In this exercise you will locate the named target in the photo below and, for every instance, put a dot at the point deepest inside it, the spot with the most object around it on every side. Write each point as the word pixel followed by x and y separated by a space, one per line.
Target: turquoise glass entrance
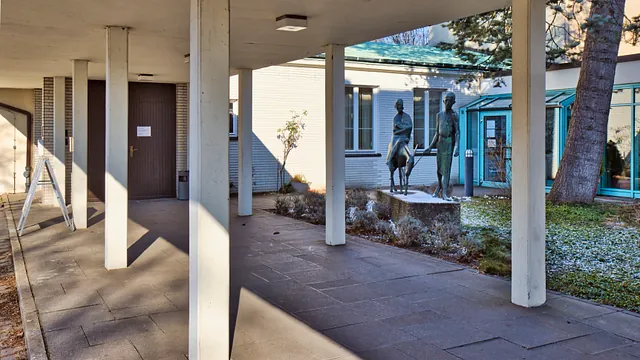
pixel 494 148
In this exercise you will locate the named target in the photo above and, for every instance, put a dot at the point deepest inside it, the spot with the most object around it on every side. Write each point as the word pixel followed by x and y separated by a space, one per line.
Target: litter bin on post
pixel 183 185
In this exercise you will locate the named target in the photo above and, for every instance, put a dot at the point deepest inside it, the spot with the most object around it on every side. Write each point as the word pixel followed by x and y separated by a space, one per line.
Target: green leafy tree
pixel 586 31
pixel 289 136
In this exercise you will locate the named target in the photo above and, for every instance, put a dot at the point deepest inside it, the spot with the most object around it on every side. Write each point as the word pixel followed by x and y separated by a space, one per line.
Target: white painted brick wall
pixel 68 126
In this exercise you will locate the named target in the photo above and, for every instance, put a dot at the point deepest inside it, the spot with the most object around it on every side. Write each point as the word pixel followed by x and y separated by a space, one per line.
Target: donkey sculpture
pixel 404 162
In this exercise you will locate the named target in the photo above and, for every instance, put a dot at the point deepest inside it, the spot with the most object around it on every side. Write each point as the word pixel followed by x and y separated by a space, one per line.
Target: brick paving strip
pixel 20 333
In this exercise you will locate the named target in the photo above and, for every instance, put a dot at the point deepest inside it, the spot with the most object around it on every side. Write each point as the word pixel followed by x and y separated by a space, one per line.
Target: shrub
pixel 386 232
pixel 357 198
pixel 382 210
pixel 283 204
pixel 315 207
pixel 364 221
pixel 299 207
pixel 442 236
pixel 410 231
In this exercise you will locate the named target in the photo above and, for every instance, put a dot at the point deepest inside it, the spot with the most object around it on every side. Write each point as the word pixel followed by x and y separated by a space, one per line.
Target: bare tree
pixel 418 37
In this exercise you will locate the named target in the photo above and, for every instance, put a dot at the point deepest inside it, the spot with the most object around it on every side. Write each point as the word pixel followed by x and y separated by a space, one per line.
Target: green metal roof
pixel 553 98
pixel 423 56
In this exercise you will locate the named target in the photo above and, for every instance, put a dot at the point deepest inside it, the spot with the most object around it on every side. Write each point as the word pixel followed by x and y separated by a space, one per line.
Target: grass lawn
pixel 593 251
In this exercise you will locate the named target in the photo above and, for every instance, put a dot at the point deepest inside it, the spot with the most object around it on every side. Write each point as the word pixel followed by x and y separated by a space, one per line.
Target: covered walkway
pixel 299 299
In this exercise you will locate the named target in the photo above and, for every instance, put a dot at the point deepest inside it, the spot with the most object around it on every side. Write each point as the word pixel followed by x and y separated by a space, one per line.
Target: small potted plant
pixel 299 184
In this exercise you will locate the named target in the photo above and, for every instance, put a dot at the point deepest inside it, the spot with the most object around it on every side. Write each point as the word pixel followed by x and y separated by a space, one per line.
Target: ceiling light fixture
pixel 291 22
pixel 145 77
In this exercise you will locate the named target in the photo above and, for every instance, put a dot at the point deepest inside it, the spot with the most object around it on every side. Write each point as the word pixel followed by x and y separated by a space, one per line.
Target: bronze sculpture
pixel 445 141
pixel 399 155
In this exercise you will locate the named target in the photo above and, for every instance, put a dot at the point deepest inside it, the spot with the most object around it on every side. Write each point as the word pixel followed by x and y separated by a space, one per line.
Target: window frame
pixel 233 110
pixel 427 109
pixel 356 118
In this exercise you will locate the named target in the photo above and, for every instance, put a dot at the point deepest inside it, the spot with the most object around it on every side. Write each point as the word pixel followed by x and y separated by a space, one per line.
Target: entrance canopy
pixel 38 38
pixel 504 101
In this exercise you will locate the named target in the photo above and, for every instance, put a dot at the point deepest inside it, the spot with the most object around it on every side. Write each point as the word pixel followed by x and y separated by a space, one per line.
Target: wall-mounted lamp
pixel 145 77
pixel 187 58
pixel 291 22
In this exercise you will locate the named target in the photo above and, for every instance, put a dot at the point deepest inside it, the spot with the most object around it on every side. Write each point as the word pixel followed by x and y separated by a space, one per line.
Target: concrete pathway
pixel 296 298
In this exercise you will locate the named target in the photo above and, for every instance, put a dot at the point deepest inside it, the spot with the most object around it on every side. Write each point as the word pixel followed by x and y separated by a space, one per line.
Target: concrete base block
pixel 421 206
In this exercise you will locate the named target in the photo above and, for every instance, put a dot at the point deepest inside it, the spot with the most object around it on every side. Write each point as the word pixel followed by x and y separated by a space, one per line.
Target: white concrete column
pixel 245 143
pixel 117 148
pixel 59 147
pixel 80 149
pixel 334 140
pixel 209 261
pixel 528 286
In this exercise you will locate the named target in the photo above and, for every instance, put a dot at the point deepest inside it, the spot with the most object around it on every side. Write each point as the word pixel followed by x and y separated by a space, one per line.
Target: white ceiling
pixel 38 38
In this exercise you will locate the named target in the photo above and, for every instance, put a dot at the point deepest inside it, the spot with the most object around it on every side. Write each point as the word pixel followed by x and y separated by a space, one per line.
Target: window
pixel 618 149
pixel 552 142
pixel 359 121
pixel 427 103
pixel 233 119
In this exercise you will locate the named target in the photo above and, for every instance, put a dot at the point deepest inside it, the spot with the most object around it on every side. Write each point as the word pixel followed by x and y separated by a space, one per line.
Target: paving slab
pixel 596 343
pixel 534 331
pixel 447 333
pixel 110 331
pixel 619 323
pixel 75 317
pixel 368 336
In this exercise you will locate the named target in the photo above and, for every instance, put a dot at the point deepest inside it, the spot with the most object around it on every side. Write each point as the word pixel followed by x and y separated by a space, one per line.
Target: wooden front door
pixel 152 141
pixel 96 141
pixel 152 137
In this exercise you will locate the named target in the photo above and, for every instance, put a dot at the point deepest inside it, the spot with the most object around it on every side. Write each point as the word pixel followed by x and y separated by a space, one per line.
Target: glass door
pixel 495 152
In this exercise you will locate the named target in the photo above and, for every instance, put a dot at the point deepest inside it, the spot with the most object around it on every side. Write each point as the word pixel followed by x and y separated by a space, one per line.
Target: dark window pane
pixel 435 99
pixel 551 144
pixel 618 150
pixel 495 148
pixel 418 118
pixel 365 119
pixel 348 102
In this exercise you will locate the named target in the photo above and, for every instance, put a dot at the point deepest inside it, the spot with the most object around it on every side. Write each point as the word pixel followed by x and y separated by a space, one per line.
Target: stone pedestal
pixel 421 206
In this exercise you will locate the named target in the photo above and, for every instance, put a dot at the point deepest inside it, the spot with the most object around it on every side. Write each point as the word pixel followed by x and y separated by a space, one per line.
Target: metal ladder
pixel 43 163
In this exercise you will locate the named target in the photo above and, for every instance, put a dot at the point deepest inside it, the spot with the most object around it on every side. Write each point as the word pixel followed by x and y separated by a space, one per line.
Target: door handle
pixel 131 151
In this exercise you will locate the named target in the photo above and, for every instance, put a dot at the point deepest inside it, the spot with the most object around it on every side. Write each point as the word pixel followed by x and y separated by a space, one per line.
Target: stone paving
pixel 296 297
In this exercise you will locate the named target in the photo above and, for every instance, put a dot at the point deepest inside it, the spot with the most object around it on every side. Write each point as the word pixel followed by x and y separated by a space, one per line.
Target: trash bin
pixel 183 185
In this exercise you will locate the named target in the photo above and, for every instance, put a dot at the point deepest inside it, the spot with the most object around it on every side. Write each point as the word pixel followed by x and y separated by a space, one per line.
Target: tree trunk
pixel 577 178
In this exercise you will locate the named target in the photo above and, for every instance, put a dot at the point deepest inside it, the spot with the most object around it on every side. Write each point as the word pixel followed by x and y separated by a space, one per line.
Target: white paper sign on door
pixel 144 131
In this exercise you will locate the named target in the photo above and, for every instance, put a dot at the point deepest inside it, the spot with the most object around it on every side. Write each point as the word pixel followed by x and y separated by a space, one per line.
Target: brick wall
pixel 68 125
pixel 47 133
pixel 182 127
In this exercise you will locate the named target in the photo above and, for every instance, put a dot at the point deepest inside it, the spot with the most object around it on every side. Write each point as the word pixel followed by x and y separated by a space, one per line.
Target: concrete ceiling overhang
pixel 39 38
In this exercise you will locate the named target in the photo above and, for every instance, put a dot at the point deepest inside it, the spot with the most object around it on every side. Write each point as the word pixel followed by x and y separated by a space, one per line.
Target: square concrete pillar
pixel 116 169
pixel 334 140
pixel 59 147
pixel 528 286
pixel 209 260
pixel 80 149
pixel 245 143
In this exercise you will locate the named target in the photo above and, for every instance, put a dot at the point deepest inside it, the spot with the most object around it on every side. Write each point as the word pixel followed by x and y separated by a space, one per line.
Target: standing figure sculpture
pixel 399 155
pixel 445 141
